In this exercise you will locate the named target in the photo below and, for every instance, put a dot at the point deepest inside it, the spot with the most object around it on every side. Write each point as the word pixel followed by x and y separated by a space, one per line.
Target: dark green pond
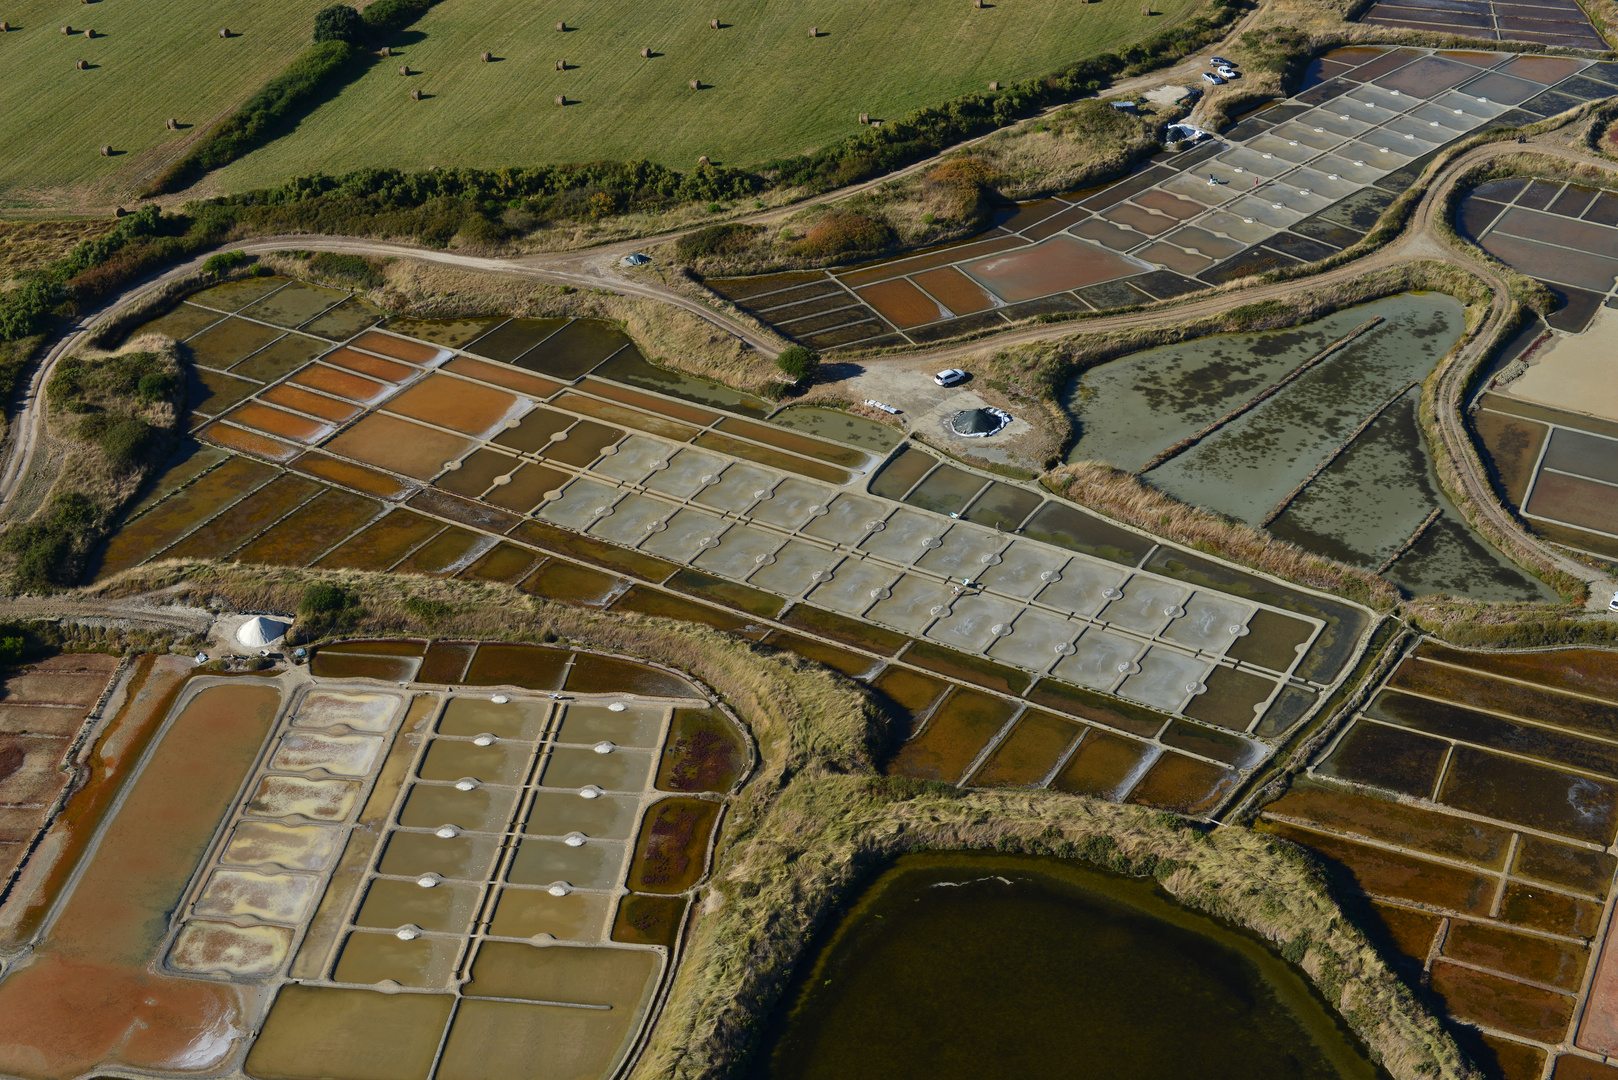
pixel 975 966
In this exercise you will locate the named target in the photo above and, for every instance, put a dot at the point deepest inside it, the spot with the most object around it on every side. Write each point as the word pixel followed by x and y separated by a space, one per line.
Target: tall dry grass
pixel 1125 497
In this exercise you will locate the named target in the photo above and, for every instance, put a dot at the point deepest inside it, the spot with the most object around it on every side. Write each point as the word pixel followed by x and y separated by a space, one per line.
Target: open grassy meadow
pixel 768 88
pixel 149 61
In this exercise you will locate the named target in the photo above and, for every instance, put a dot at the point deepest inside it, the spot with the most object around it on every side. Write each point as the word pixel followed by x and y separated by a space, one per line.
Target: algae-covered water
pixel 973 965
pixel 1379 487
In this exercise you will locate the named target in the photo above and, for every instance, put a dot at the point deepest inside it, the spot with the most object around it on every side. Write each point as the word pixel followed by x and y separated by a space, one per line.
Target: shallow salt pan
pixel 362 712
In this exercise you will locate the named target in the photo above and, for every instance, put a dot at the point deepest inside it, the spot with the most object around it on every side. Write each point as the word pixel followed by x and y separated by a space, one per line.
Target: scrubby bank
pixel 115 415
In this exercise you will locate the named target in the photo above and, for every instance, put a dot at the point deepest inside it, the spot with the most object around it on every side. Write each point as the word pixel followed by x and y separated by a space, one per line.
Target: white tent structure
pixel 259 631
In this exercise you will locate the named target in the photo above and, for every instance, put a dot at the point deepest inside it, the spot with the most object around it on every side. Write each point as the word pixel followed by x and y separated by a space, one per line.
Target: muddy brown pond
pixel 973 965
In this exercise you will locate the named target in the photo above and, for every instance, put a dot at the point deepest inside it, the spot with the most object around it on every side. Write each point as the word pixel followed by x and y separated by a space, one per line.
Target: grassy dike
pixel 817 817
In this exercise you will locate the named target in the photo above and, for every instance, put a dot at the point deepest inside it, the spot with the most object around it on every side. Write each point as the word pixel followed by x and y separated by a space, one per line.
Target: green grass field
pixel 152 60
pixel 769 89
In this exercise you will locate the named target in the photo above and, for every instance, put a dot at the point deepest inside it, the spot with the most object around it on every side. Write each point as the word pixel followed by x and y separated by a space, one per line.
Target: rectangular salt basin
pixel 581 502
pixel 853 586
pixel 738 488
pixel 632 519
pixel 318 800
pixel 1023 570
pixel 1037 640
pixel 794 568
pixel 1100 660
pixel 346 755
pixel 791 503
pixel 360 712
pixel 592 865
pixel 1082 587
pixel 1146 605
pixel 915 602
pixel 294 847
pixel 740 551
pixel 621 770
pixel 974 622
pixel 965 553
pixel 634 459
pixel 270 897
pixel 204 946
pixel 1166 679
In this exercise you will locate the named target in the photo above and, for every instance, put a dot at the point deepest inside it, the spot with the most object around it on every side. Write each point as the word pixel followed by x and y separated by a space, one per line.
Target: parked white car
pixel 1210 77
pixel 950 376
pixel 1613 604
pixel 1227 73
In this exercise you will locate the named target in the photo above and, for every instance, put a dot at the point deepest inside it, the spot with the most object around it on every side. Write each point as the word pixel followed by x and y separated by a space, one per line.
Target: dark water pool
pixel 976 966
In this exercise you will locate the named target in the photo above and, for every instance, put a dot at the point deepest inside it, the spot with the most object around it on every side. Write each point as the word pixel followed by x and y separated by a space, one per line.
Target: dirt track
pixel 598 268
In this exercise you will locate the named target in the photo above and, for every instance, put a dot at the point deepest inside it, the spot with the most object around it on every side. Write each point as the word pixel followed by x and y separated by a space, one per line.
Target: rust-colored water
pixel 456 404
pixel 355 476
pixel 399 445
pixel 89 994
pixel 372 366
pixel 523 383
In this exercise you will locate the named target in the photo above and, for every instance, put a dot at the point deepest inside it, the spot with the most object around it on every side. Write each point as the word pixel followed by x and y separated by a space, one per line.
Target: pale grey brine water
pixel 1368 502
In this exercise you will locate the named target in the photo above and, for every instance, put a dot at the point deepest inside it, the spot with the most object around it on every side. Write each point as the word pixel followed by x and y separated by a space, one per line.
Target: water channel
pixel 973 965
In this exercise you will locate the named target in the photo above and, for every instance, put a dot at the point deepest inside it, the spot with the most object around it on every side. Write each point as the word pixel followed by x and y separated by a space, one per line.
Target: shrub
pixel 798 362
pixel 157 386
pixel 50 549
pixel 355 270
pixel 430 612
pixel 126 441
pixel 844 232
pixel 223 262
pixel 323 598
pixel 715 241
pixel 339 22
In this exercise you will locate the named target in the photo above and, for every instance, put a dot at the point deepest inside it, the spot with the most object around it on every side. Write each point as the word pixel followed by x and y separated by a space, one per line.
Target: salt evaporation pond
pixel 973 965
pixel 1375 495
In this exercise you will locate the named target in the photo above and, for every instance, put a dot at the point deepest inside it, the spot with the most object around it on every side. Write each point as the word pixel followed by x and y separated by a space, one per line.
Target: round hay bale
pixel 703 160
pixel 387 51
pixel 646 54
pixel 561 99
pixel 696 84
pixel 994 85
pixel 561 65
pixel 224 33
pixel 814 31
pixel 82 65
pixel 5 28
pixel 486 57
pixel 415 95
pixel 404 69
pixel 67 29
pixel 713 24
pixel 865 118
pixel 977 3
pixel 89 33
pixel 561 27
pixel 172 124
pixel 106 151
pixel 120 212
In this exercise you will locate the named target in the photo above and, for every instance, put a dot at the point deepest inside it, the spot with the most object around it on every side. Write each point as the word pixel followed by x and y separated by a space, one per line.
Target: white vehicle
pixel 1613 604
pixel 950 376
pixel 1220 61
pixel 1227 73
pixel 1208 76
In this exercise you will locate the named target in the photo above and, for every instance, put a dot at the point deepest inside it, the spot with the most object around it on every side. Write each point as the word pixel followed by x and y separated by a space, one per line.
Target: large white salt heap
pixel 259 631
